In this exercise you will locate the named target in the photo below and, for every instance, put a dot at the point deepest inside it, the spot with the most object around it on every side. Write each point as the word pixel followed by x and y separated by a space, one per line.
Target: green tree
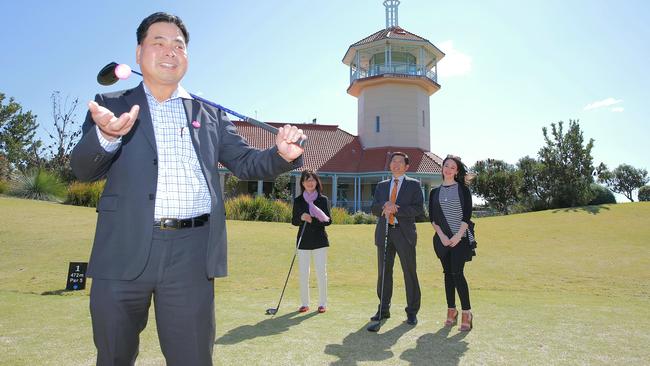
pixel 281 187
pixel 536 184
pixel 624 179
pixel 567 164
pixel 497 182
pixel 18 144
pixel 644 194
pixel 231 188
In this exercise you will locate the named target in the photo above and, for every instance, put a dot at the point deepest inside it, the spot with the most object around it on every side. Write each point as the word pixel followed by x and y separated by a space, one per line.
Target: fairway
pixel 558 287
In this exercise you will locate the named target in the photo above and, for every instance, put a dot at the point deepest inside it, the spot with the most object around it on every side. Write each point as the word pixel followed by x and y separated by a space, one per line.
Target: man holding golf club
pixel 397 202
pixel 161 219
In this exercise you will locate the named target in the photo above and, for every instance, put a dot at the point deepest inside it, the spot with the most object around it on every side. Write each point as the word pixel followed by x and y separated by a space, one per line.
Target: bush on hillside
pixel 85 194
pixel 602 195
pixel 257 208
pixel 4 186
pixel 39 184
pixel 644 193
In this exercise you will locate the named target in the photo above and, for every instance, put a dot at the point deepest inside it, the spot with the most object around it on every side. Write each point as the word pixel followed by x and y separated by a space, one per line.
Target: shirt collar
pixel 180 92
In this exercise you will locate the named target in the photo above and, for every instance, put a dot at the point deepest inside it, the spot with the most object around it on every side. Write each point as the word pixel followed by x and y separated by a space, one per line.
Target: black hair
pixel 399 153
pixel 306 174
pixel 461 175
pixel 141 33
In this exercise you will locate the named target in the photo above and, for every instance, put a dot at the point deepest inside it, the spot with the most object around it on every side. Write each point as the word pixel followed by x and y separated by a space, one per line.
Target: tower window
pixel 422 118
pixel 377 124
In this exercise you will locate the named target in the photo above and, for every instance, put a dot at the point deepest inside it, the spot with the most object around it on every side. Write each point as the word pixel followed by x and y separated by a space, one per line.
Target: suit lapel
pixel 144 117
pixel 200 140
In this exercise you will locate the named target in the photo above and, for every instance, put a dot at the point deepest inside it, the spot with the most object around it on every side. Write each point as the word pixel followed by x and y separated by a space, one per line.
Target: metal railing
pixel 394 68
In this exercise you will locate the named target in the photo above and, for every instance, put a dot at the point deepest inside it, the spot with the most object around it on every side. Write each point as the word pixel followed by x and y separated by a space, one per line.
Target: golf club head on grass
pixel 374 327
pixel 271 311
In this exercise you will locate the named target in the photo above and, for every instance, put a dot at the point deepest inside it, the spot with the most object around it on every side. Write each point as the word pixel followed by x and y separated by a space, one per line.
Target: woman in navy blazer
pixel 311 212
pixel 450 210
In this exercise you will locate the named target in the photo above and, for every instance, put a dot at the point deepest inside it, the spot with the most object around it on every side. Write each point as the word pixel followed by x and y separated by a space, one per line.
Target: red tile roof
pixel 391 33
pixel 332 150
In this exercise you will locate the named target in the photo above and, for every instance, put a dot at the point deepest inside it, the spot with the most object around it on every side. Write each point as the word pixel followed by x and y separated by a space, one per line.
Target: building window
pixel 377 124
pixel 422 118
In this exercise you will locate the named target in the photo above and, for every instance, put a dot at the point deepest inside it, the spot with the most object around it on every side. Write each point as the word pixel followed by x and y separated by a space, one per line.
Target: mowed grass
pixel 560 287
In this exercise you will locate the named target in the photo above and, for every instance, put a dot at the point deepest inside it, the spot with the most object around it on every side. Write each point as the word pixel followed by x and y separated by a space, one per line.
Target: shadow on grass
pixel 267 327
pixel 55 292
pixel 437 349
pixel 594 210
pixel 363 346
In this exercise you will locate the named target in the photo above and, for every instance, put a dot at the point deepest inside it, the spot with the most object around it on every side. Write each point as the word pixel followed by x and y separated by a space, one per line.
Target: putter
pixel 113 72
pixel 374 327
pixel 273 311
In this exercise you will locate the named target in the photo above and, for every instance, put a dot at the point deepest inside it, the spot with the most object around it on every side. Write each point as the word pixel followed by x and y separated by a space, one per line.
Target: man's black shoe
pixel 411 319
pixel 385 315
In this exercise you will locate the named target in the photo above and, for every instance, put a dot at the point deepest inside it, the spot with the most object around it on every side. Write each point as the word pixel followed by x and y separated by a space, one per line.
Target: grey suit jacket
pixel 411 205
pixel 126 207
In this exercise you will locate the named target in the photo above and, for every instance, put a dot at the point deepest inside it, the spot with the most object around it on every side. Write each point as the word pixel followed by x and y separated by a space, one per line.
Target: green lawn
pixel 565 287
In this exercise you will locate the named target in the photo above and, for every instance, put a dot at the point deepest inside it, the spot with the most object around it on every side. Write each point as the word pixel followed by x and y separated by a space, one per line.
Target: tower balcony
pixel 393 68
pixel 396 71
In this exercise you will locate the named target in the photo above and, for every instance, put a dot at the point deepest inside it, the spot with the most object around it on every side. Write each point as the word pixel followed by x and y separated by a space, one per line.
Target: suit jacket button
pixel 151 196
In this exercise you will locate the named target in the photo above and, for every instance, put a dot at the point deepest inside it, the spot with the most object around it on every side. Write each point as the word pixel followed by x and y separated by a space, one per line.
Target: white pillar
pixel 297 186
pixel 222 181
pixel 334 191
pixel 260 187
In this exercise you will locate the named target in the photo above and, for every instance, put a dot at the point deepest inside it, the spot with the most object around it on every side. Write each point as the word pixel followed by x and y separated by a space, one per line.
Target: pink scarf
pixel 313 210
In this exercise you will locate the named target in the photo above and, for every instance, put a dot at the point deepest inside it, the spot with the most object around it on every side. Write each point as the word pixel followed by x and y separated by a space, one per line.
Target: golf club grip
pixel 252 121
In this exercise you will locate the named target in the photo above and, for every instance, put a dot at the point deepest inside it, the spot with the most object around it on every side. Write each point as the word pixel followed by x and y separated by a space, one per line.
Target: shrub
pixel 340 216
pixel 602 195
pixel 4 186
pixel 39 185
pixel 361 217
pixel 644 193
pixel 258 208
pixel 85 194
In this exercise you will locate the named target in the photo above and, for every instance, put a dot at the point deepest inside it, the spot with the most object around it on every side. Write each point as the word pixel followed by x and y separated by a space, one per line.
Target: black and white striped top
pixel 452 209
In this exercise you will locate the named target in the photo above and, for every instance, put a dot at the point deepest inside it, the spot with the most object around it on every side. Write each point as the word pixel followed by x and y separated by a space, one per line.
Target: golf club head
pixel 271 311
pixel 106 75
pixel 374 327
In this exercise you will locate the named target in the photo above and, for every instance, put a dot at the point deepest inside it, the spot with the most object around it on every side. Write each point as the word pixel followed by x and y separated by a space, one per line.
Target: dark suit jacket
pixel 315 236
pixel 126 207
pixel 411 205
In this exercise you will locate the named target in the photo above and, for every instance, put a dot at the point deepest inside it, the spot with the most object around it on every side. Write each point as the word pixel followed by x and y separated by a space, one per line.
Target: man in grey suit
pixel 161 220
pixel 397 202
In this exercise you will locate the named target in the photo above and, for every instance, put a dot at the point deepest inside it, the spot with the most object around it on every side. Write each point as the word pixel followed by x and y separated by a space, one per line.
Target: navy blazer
pixel 411 205
pixel 126 207
pixel 314 236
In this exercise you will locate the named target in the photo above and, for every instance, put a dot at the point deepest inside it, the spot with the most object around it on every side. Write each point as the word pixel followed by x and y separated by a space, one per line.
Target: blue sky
pixel 511 68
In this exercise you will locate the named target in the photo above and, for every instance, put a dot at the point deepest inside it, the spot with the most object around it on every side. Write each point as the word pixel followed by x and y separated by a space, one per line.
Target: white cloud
pixel 455 63
pixel 617 109
pixel 602 103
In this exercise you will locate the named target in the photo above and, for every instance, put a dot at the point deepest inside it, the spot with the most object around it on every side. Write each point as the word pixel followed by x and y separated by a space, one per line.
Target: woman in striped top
pixel 450 210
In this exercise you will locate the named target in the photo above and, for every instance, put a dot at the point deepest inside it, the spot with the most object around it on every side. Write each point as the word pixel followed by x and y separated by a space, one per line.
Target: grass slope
pixel 555 287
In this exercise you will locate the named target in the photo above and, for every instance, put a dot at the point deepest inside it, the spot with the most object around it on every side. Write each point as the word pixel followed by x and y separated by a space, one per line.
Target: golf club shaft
pixel 383 270
pixel 252 121
pixel 302 231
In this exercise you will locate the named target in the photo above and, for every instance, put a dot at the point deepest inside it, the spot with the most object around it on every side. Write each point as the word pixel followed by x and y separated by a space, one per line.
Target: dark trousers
pixel 175 276
pixel 397 243
pixel 453 264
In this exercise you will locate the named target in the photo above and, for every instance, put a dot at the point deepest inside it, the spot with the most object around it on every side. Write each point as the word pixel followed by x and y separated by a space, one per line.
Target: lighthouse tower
pixel 392 74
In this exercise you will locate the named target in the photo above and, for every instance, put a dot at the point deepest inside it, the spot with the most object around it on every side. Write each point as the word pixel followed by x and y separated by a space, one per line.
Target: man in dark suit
pixel 161 219
pixel 399 201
